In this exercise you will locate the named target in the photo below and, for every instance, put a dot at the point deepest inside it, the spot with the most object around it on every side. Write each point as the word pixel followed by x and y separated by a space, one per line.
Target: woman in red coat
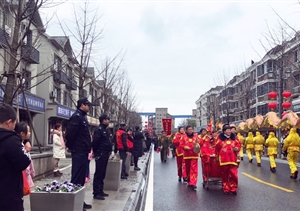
pixel 227 150
pixel 179 154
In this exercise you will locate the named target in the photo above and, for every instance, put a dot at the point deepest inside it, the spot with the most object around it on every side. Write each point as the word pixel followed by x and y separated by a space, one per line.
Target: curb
pixel 136 199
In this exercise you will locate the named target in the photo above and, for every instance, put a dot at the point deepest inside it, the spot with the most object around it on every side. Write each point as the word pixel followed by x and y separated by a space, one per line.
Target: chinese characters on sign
pixel 167 125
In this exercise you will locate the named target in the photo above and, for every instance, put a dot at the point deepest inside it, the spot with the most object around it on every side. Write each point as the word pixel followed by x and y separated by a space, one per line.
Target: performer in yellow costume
pixel 249 146
pixel 242 140
pixel 258 141
pixel 292 144
pixel 272 143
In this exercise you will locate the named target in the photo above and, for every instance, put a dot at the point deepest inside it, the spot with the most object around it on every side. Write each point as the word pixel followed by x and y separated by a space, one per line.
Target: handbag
pixel 26 188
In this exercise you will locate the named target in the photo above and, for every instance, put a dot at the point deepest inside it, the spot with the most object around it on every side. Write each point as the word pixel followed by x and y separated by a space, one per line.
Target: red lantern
pixel 286 94
pixel 284 113
pixel 286 105
pixel 272 95
pixel 272 105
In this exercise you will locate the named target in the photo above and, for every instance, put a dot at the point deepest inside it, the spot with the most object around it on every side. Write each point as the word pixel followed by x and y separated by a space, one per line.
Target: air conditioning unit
pixel 53 94
pixel 7 30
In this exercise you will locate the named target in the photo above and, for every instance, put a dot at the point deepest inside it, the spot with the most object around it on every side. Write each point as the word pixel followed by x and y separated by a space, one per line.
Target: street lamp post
pixel 282 75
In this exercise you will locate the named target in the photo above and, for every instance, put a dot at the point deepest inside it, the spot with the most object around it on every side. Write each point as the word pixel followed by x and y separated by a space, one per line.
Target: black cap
pixel 103 116
pixel 225 127
pixel 122 124
pixel 84 101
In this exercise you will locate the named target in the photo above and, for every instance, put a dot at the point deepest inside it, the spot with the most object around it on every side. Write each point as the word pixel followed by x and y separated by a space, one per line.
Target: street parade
pixel 220 149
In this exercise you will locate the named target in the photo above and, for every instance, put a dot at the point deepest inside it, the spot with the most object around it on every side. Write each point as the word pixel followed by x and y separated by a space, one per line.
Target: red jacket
pixel 176 141
pixel 129 141
pixel 121 139
pixel 187 144
pixel 207 146
pixel 227 150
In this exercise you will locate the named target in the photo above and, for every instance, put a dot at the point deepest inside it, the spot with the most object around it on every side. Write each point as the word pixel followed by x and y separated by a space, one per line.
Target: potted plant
pixel 57 196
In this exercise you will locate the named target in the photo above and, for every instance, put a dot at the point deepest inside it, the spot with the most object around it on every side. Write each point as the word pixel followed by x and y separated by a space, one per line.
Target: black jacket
pixel 101 140
pixel 138 144
pixel 78 134
pixel 13 161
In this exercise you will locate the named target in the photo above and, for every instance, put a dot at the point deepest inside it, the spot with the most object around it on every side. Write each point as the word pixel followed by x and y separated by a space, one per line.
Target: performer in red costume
pixel 188 143
pixel 179 154
pixel 227 150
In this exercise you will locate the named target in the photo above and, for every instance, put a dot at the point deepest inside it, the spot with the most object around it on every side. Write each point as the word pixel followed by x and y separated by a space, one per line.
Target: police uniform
pixel 79 142
pixel 102 148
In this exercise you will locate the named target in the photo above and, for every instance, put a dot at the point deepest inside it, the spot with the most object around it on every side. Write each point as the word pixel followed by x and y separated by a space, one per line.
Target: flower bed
pixel 57 196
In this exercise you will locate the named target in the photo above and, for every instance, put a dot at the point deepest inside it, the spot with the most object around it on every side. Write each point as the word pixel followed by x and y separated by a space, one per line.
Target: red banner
pixel 167 125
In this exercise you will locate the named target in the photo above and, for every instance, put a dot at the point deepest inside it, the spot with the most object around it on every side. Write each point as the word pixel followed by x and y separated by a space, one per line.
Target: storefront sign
pixel 63 111
pixel 34 102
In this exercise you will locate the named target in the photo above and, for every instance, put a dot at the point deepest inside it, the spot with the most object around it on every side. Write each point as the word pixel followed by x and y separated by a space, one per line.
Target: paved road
pixel 253 193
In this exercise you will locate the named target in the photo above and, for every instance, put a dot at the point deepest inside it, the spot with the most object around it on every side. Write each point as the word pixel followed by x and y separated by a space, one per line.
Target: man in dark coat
pixel 13 161
pixel 137 147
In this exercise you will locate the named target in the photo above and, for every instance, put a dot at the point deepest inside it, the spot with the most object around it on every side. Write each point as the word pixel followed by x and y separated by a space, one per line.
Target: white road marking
pixel 149 198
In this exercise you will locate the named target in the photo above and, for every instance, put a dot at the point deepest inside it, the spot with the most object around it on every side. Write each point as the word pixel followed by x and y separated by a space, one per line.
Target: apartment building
pixel 161 113
pixel 246 94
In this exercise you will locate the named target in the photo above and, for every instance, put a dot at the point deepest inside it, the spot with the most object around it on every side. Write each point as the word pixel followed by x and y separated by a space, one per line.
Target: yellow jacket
pixel 241 138
pixel 272 143
pixel 259 141
pixel 249 141
pixel 292 142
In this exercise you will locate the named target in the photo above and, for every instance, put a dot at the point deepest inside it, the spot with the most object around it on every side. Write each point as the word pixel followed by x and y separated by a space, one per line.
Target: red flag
pixel 167 125
pixel 209 126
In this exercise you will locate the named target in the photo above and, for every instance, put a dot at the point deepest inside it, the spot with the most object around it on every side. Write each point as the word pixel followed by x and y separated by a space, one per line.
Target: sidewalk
pixel 116 200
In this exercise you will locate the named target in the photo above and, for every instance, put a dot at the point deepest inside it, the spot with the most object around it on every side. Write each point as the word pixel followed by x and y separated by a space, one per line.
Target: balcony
pixel 61 78
pixel 30 54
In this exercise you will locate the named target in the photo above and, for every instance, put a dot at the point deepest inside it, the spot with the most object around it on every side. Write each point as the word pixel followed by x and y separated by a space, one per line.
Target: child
pixel 23 130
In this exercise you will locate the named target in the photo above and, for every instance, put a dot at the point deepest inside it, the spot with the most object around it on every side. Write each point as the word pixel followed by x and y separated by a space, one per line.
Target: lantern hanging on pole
pixel 272 105
pixel 286 105
pixel 272 95
pixel 286 95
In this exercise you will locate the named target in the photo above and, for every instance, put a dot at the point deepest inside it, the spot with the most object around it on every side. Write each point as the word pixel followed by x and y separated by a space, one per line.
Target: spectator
pixel 137 147
pixel 102 148
pixel 13 160
pixel 121 140
pixel 23 130
pixel 79 143
pixel 58 148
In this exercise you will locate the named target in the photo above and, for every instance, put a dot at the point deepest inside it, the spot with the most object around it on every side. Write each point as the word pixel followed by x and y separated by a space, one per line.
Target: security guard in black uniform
pixel 79 142
pixel 102 148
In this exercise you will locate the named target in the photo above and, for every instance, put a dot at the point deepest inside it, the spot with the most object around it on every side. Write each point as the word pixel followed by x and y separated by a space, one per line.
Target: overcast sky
pixel 176 50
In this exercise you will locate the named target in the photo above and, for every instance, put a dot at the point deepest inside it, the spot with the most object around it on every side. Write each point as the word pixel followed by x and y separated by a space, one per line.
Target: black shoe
pixel 296 174
pixel 259 164
pixel 179 179
pixel 226 193
pixel 234 193
pixel 137 168
pixel 104 194
pixel 123 177
pixel 87 206
pixel 242 158
pixel 185 180
pixel 126 174
pixel 250 161
pixel 99 197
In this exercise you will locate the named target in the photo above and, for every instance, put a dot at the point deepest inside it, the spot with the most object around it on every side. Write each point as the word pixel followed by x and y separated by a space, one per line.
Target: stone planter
pixel 43 201
pixel 113 175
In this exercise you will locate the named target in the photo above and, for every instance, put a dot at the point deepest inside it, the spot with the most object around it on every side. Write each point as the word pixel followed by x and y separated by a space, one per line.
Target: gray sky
pixel 176 50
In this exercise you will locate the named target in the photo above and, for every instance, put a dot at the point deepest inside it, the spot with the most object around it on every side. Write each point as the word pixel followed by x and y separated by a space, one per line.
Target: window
pixel 57 63
pixel 69 72
pixel 296 56
pixel 58 95
pixel 262 109
pixel 29 38
pixel 27 78
pixel 65 102
pixel 260 70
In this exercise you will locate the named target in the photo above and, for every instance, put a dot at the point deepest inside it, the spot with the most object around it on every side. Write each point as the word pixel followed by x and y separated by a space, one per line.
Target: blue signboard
pixel 34 103
pixel 63 111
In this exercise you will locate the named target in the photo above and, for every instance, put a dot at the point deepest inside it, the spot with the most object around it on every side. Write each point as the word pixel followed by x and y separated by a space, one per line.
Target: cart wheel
pixel 207 188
